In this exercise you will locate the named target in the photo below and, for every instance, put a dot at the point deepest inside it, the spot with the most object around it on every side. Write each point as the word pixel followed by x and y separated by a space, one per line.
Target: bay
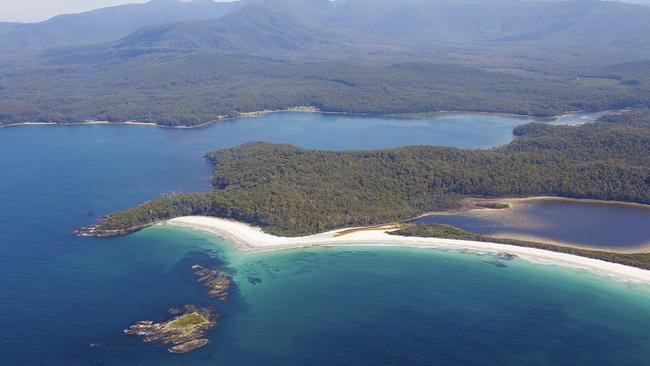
pixel 60 293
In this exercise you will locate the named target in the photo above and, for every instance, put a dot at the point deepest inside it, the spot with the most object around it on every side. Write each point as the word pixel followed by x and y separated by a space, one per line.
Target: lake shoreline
pixel 299 109
pixel 471 205
pixel 249 239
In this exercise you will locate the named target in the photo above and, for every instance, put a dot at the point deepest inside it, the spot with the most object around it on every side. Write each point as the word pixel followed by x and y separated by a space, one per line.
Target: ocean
pixel 66 300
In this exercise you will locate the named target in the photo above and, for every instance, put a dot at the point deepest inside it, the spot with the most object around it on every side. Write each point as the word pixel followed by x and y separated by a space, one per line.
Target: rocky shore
pixel 95 231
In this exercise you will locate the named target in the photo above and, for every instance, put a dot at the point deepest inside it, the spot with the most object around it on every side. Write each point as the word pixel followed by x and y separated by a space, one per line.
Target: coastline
pixel 298 109
pixel 249 239
pixel 220 118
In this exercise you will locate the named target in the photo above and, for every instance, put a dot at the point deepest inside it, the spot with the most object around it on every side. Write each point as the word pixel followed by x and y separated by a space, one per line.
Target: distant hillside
pixel 500 23
pixel 249 30
pixel 595 23
pixel 524 34
pixel 6 27
pixel 277 31
pixel 365 56
pixel 108 23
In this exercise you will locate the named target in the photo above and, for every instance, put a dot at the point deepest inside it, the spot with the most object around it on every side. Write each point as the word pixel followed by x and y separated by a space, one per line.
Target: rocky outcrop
pixel 218 283
pixel 97 232
pixel 185 332
pixel 189 346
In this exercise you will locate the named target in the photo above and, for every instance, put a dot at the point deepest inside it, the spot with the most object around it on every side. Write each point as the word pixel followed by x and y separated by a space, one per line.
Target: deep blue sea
pixel 59 293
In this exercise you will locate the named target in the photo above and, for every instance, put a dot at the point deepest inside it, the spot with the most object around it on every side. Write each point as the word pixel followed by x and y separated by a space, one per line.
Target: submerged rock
pixel 218 283
pixel 506 256
pixel 497 263
pixel 184 332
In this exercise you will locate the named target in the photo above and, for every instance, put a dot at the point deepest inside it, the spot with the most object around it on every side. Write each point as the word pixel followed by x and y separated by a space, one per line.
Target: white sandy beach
pixel 251 239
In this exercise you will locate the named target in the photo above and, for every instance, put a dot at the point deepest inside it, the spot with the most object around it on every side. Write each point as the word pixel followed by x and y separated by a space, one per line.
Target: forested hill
pixel 199 88
pixel 290 191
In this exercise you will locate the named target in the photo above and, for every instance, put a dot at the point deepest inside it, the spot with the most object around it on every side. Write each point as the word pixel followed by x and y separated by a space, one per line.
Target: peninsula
pixel 289 191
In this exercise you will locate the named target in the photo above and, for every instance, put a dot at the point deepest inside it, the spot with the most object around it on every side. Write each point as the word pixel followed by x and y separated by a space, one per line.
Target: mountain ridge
pixel 106 24
pixel 364 29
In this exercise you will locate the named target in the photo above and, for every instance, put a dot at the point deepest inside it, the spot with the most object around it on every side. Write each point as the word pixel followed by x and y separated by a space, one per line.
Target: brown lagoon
pixel 583 223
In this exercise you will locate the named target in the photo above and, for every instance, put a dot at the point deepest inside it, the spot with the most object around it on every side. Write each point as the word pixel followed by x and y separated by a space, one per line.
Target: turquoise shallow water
pixel 360 306
pixel 409 306
pixel 60 293
pixel 398 306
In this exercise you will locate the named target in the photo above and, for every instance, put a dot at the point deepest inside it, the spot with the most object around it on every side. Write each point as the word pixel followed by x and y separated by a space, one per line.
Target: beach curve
pixel 250 239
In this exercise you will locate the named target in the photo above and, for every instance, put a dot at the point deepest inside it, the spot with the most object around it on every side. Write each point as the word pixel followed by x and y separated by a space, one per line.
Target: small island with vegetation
pixel 187 329
pixel 184 333
pixel 290 191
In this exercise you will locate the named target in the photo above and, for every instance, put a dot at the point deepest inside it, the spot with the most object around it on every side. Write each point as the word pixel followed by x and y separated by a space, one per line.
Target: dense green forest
pixel 640 260
pixel 173 89
pixel 291 191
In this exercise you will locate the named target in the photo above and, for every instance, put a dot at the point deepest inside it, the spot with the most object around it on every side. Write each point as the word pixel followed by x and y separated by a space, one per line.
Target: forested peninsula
pixel 289 191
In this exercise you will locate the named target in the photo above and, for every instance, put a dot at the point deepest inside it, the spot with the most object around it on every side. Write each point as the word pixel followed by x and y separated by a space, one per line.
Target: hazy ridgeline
pixel 184 63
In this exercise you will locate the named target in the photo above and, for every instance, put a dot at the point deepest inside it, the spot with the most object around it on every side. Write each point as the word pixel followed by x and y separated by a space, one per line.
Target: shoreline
pixel 515 200
pixel 220 118
pixel 469 205
pixel 643 248
pixel 299 109
pixel 249 239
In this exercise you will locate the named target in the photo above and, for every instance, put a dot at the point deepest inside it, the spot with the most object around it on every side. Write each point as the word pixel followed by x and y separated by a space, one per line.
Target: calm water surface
pixel 318 307
pixel 583 223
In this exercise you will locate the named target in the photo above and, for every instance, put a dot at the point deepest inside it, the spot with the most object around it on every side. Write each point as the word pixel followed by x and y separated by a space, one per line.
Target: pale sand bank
pixel 251 239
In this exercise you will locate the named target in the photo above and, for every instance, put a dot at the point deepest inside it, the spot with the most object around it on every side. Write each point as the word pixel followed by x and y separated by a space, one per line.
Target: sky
pixel 29 11
pixel 37 10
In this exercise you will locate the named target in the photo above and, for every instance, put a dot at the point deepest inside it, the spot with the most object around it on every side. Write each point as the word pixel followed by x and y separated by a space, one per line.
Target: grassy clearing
pixel 186 321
